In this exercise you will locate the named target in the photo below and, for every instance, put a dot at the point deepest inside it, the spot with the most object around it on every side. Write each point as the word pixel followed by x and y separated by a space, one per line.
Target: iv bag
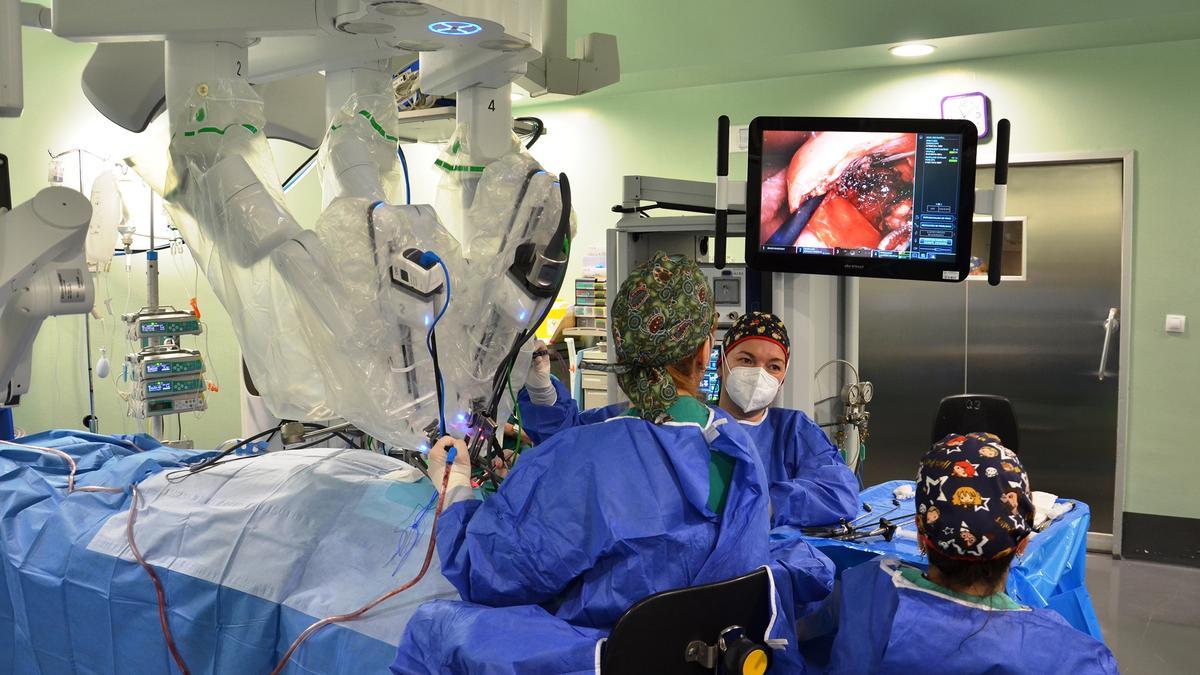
pixel 107 211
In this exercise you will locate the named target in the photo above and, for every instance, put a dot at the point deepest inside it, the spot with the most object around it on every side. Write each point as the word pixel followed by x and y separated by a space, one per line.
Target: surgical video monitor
pixel 861 196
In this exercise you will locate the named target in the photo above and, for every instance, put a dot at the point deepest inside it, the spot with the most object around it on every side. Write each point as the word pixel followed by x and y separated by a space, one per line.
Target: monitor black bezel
pixel 925 270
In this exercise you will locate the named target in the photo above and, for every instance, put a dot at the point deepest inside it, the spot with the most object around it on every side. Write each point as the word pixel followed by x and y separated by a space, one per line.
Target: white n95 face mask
pixel 752 389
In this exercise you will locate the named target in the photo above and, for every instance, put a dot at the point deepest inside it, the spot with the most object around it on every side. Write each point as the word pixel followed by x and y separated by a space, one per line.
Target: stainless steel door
pixel 911 337
pixel 1037 341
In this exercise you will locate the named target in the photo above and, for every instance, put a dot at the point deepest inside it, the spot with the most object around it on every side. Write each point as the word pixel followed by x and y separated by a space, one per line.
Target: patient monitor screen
pixel 862 202
pixel 710 385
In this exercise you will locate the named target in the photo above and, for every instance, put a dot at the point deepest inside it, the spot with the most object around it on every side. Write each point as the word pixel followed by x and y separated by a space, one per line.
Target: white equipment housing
pixel 43 273
pixel 12 98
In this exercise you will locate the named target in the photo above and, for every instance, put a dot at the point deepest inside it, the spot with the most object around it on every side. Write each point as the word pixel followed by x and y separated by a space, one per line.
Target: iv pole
pixel 93 424
pixel 156 423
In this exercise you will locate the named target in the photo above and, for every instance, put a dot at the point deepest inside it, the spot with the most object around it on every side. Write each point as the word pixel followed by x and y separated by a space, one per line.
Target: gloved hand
pixel 501 467
pixel 460 471
pixel 537 381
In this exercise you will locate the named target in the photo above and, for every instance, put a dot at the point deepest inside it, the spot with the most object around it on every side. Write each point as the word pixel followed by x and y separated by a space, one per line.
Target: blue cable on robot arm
pixel 429 258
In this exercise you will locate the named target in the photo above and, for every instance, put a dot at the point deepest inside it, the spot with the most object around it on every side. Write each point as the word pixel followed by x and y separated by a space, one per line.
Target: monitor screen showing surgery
pixel 851 200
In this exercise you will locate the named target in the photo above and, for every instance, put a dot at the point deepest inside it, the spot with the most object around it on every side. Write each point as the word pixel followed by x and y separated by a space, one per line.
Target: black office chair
pixel 967 413
pixel 715 628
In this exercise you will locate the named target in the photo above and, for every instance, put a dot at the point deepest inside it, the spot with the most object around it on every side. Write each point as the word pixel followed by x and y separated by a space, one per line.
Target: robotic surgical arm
pixel 43 272
pixel 380 314
pixel 339 320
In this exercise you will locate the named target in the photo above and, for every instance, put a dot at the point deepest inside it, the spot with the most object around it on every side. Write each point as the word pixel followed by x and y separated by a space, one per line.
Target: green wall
pixel 1121 98
pixel 1117 98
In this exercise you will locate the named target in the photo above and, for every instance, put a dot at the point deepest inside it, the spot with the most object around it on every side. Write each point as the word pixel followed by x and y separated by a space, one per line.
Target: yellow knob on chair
pixel 755 663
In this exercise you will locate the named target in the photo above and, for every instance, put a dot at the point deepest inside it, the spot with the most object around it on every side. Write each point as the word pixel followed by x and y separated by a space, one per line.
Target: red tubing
pixel 308 632
pixel 133 505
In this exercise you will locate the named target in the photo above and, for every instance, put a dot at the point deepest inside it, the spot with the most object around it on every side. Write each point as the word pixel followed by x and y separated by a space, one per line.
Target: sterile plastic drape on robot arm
pixel 460 173
pixel 335 321
pixel 358 156
pixel 392 298
pixel 516 209
pixel 224 196
pixel 317 345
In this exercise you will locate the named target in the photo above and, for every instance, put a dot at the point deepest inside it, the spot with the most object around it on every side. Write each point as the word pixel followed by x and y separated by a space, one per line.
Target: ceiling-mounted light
pixel 455 28
pixel 912 49
pixel 516 96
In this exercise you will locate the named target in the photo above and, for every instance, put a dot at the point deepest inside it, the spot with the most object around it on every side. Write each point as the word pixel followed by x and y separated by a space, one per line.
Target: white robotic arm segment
pixel 43 272
pixel 255 224
pixel 354 173
pixel 51 226
pixel 358 158
pixel 12 96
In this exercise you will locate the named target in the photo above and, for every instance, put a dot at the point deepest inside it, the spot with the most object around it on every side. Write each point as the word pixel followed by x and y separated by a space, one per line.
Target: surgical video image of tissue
pixel 852 193
pixel 838 190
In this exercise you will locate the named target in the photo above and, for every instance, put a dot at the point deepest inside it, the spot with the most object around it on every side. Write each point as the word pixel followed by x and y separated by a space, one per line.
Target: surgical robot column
pixel 43 273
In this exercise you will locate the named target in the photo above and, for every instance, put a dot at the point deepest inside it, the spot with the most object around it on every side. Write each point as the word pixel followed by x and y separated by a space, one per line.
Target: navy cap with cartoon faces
pixel 973 498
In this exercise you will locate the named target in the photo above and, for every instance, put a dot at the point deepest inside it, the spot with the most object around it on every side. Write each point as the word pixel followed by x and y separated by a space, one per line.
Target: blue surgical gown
pixel 586 525
pixel 540 422
pixel 887 624
pixel 809 482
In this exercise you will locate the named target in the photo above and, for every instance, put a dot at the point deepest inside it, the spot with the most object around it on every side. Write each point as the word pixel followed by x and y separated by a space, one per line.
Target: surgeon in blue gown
pixel 668 495
pixel 974 515
pixel 809 482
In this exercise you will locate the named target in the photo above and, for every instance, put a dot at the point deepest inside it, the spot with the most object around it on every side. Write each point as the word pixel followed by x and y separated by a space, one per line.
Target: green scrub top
pixel 720 466
pixel 999 600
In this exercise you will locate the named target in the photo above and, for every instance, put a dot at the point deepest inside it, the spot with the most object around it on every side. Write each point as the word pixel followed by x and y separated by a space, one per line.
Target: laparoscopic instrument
pixel 864 526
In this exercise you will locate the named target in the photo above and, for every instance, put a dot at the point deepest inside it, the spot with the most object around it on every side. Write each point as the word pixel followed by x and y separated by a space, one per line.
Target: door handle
pixel 1111 324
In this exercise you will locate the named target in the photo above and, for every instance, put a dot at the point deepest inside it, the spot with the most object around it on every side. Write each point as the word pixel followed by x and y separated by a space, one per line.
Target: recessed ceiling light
pixel 912 49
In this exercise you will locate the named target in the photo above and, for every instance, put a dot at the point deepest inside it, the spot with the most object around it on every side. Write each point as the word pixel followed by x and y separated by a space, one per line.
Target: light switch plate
pixel 739 138
pixel 1176 323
